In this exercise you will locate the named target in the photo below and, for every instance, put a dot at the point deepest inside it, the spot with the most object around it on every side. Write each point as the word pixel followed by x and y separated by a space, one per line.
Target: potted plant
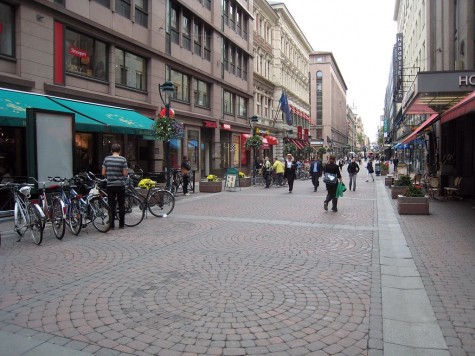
pixel 400 186
pixel 243 180
pixel 384 166
pixel 413 202
pixel 212 184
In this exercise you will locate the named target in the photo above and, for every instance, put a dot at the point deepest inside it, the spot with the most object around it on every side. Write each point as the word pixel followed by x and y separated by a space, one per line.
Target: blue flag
pixel 284 106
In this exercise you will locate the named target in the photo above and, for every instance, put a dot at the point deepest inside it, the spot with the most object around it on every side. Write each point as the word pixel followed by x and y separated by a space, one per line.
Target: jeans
pixel 279 177
pixel 353 180
pixel 116 195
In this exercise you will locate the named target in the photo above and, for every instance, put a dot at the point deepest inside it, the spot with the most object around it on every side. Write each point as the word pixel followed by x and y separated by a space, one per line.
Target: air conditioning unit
pixel 459 65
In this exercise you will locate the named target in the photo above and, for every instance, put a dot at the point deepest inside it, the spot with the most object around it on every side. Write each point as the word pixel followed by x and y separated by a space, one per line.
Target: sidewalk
pixel 256 271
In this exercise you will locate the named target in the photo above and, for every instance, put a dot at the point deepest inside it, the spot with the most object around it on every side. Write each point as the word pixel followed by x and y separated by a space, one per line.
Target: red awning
pixel 265 144
pixel 298 143
pixel 464 106
pixel 272 140
pixel 425 124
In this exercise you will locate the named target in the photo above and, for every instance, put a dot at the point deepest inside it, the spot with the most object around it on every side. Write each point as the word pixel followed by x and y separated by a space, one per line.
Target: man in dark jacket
pixel 353 169
pixel 316 170
pixel 332 168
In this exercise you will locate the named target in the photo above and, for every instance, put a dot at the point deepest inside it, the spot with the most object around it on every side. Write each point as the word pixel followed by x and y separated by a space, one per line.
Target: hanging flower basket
pixel 166 128
pixel 290 148
pixel 254 142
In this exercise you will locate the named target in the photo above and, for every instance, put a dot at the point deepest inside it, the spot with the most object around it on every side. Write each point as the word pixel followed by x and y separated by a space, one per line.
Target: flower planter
pixel 384 172
pixel 397 190
pixel 211 187
pixel 389 181
pixel 412 205
pixel 245 182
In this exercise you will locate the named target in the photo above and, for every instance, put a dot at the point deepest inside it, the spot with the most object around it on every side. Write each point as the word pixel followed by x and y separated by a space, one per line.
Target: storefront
pixel 96 127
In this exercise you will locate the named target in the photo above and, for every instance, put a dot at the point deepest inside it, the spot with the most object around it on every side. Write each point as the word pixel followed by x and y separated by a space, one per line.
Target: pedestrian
pixel 278 168
pixel 185 174
pixel 395 163
pixel 316 170
pixel 115 170
pixel 332 168
pixel 369 167
pixel 340 163
pixel 353 169
pixel 267 171
pixel 290 171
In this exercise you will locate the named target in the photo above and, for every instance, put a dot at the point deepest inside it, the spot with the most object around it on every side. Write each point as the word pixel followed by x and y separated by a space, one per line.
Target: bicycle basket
pixel 26 191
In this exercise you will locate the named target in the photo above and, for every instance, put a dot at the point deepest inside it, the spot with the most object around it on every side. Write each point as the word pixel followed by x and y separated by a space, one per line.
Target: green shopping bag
pixel 340 189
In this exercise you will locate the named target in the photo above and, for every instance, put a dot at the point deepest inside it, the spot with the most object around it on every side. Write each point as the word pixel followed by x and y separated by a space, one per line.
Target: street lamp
pixel 253 120
pixel 167 88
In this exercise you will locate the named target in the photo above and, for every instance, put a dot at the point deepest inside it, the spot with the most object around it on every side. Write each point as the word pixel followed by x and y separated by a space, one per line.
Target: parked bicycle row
pixel 81 201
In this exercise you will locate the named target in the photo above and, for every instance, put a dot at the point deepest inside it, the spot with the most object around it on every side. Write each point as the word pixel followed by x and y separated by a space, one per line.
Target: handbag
pixel 330 178
pixel 340 189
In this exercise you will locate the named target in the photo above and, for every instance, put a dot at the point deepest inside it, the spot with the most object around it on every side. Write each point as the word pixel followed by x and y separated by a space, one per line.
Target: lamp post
pixel 252 121
pixel 167 88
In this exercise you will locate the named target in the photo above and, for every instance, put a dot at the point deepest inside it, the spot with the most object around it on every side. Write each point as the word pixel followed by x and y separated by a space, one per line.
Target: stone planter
pixel 412 205
pixel 245 182
pixel 388 181
pixel 397 190
pixel 211 187
pixel 384 172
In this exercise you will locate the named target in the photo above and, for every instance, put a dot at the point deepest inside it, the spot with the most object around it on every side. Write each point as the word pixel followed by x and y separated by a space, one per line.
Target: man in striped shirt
pixel 115 170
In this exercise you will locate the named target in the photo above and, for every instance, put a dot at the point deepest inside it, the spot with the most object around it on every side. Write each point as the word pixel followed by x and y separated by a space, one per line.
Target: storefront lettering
pixel 77 52
pixel 466 80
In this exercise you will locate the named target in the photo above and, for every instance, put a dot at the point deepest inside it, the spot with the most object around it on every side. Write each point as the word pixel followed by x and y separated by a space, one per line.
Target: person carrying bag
pixel 331 177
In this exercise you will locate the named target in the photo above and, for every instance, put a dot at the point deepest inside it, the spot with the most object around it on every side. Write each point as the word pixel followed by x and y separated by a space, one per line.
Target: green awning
pixel 13 105
pixel 118 120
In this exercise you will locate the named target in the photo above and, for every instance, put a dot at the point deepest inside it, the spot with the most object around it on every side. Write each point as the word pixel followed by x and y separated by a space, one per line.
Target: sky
pixel 361 35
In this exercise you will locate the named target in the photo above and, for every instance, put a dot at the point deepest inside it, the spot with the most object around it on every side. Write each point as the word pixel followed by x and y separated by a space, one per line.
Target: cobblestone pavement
pixel 249 272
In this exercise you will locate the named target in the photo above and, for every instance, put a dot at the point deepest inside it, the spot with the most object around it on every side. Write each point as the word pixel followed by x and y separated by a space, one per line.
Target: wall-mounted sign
pixel 210 124
pixel 225 127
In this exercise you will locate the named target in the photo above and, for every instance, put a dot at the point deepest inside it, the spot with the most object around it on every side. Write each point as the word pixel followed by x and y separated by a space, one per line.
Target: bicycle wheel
pixel 161 203
pixel 74 217
pixel 100 214
pixel 19 220
pixel 36 216
pixel 134 211
pixel 57 218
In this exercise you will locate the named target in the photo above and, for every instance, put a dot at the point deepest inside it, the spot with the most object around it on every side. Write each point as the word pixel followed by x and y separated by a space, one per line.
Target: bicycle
pixel 177 181
pixel 27 214
pixel 71 214
pixel 92 205
pixel 134 207
pixel 158 201
pixel 53 208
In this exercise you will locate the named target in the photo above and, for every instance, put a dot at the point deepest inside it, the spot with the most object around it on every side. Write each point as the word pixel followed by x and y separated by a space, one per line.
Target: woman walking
pixel 290 171
pixel 332 168
pixel 370 169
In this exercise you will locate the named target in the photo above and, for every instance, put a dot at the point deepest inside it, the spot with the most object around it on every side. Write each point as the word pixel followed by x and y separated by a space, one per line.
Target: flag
pixel 284 106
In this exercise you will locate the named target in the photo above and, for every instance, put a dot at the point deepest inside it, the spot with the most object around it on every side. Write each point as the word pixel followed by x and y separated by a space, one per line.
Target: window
pixel 244 27
pixel 232 20
pixel 141 12
pixel 186 31
pixel 85 55
pixel 238 21
pixel 225 55
pixel 201 90
pixel 228 103
pixel 226 11
pixel 182 85
pixel 130 70
pixel 232 67
pixel 208 4
pixel 197 37
pixel 244 68
pixel 207 40
pixel 319 83
pixel 174 23
pixel 61 2
pixel 105 3
pixel 122 7
pixel 242 106
pixel 7 22
pixel 239 63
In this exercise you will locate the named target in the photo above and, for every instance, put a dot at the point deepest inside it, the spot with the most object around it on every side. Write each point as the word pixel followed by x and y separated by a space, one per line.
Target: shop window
pixel 192 150
pixel 131 70
pixel 84 152
pixel 7 30
pixel 85 55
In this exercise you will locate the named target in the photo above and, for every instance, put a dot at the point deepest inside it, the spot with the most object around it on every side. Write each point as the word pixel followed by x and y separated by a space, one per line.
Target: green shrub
pixel 403 180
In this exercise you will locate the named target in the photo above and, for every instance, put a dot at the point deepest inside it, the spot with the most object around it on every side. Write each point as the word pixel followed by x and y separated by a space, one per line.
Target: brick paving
pixel 250 272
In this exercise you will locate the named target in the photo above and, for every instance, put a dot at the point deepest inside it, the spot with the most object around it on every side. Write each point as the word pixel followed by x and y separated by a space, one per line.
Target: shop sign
pixel 466 80
pixel 77 52
pixel 210 124
pixel 225 126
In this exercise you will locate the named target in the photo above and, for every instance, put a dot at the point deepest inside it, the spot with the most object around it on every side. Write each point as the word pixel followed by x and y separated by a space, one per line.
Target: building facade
pixel 118 53
pixel 328 98
pixel 432 88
